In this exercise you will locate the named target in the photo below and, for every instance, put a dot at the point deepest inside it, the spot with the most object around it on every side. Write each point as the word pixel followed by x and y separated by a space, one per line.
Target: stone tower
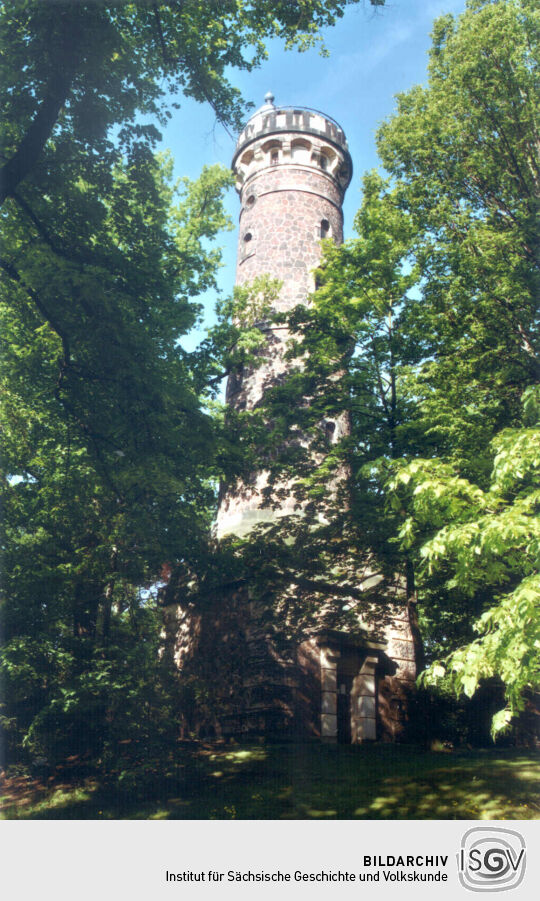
pixel 293 168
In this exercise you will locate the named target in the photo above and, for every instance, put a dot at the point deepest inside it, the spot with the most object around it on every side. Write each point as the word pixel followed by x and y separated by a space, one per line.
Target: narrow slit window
pixel 274 157
pixel 247 237
pixel 325 228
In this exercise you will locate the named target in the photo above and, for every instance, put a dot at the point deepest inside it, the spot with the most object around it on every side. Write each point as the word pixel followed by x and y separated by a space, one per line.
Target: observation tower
pixel 292 168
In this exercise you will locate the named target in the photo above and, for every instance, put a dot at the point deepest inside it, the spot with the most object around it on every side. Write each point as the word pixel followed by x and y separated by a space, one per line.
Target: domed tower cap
pixel 269 98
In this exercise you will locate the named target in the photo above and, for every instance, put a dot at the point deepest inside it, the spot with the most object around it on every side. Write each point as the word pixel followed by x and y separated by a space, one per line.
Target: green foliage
pixel 237 339
pixel 108 451
pixel 111 455
pixel 492 542
pixel 430 320
pixel 462 155
pixel 462 152
pixel 76 70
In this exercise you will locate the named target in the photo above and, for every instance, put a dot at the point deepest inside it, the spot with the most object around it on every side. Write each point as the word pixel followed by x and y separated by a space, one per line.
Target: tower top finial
pixel 269 97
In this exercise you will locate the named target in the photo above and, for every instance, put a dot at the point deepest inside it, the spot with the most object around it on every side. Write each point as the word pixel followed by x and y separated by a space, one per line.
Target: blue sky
pixel 373 56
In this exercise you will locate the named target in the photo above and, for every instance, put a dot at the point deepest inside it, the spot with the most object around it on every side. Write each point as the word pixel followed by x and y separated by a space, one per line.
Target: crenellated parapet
pixel 288 135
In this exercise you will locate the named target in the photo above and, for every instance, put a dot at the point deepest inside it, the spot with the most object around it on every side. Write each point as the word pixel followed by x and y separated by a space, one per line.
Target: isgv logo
pixel 491 859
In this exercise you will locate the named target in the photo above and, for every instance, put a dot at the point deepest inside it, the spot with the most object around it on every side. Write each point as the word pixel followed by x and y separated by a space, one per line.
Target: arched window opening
pixel 324 230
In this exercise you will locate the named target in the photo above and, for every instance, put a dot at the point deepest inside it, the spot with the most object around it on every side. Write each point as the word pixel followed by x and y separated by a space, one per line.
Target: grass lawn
pixel 294 781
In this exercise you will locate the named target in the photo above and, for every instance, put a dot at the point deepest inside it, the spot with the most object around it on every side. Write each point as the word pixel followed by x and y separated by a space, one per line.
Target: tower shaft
pixel 292 168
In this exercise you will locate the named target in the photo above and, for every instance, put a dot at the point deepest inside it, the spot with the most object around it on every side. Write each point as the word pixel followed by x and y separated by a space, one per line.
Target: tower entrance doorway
pixel 344 713
pixel 349 688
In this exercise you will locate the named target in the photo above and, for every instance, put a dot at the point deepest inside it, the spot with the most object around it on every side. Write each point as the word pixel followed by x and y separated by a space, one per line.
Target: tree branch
pixel 25 157
pixel 191 64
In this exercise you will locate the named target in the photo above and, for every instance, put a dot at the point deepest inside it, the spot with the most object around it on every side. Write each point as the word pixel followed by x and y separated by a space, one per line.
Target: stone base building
pixel 334 685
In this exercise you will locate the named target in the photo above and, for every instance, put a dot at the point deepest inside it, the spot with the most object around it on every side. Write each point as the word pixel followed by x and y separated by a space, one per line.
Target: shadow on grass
pixel 309 781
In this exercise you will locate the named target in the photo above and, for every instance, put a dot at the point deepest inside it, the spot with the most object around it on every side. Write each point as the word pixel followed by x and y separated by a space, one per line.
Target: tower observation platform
pixel 272 120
